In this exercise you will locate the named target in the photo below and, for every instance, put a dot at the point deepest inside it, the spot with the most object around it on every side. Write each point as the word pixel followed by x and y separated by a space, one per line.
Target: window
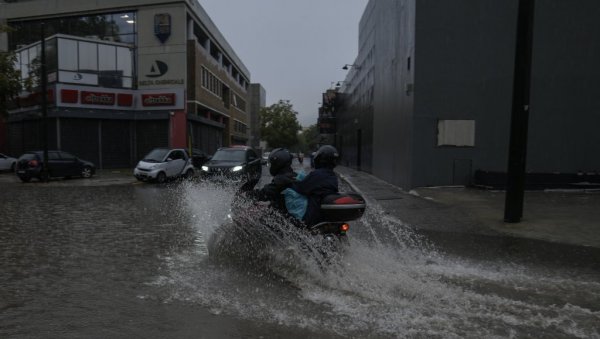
pixel 107 58
pixel 175 155
pixel 88 56
pixel 124 61
pixel 120 27
pixel 456 133
pixel 212 83
pixel 67 57
pixel 67 156
pixel 238 102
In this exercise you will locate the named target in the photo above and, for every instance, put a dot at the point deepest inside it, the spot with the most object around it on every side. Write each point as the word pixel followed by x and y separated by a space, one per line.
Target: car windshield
pixel 230 155
pixel 156 155
pixel 27 156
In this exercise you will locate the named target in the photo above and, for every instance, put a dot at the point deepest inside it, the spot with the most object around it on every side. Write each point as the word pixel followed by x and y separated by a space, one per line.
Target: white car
pixel 7 163
pixel 162 164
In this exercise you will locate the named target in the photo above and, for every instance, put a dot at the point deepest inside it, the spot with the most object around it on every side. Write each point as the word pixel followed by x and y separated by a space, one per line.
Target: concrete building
pixel 126 76
pixel 428 99
pixel 258 99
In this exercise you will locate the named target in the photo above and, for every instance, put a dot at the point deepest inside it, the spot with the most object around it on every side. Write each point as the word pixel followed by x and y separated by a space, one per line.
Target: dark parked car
pixel 235 163
pixel 60 164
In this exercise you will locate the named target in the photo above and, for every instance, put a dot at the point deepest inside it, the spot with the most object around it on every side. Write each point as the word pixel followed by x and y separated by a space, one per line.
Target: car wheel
pixel 25 179
pixel 189 174
pixel 161 177
pixel 86 172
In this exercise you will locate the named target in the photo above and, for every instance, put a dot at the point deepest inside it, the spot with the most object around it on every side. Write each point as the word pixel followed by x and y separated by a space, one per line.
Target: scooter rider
pixel 318 183
pixel 280 167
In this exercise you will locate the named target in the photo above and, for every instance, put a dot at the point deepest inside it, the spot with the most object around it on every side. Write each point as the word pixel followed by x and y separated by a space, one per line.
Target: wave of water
pixel 389 282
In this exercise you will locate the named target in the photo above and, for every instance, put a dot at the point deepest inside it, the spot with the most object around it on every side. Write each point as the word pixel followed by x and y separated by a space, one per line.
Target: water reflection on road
pixel 133 260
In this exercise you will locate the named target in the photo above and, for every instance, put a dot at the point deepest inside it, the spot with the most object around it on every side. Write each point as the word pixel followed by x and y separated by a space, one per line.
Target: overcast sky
pixel 294 48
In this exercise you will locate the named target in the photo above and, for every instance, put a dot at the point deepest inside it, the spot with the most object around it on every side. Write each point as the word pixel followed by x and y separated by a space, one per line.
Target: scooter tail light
pixel 344 227
pixel 33 163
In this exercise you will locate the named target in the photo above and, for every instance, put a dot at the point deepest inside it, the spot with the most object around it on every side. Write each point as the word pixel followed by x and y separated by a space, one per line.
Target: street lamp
pixel 346 66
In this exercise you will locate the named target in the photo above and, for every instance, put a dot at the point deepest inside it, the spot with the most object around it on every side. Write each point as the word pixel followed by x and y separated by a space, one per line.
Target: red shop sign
pixel 125 99
pixel 97 98
pixel 69 96
pixel 158 99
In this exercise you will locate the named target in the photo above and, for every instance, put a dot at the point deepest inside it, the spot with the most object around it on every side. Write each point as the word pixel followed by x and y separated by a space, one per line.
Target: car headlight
pixel 205 168
pixel 237 168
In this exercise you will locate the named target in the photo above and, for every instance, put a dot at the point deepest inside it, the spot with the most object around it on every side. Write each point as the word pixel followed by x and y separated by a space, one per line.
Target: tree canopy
pixel 10 84
pixel 279 125
pixel 309 138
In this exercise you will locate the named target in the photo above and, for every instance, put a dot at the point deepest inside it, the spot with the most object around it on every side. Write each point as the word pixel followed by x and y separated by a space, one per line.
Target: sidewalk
pixel 567 217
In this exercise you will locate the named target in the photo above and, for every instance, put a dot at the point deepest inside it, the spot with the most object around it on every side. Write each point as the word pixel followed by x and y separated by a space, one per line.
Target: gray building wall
pixel 565 112
pixel 461 68
pixel 394 44
pixel 464 69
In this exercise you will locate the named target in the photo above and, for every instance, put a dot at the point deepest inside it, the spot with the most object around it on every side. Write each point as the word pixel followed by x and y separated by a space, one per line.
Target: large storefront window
pixel 118 27
pixel 80 61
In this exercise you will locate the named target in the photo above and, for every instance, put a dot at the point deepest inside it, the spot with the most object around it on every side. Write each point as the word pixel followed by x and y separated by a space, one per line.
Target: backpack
pixel 295 203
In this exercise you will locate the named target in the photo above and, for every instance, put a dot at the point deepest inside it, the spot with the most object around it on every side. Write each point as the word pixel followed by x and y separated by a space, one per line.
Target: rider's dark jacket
pixel 272 191
pixel 317 184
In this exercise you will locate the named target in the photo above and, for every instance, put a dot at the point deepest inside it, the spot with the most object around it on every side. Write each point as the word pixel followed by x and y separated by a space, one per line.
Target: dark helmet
pixel 280 159
pixel 326 156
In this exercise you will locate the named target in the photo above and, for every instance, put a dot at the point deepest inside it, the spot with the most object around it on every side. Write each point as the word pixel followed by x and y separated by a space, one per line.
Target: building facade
pixel 125 77
pixel 428 99
pixel 258 99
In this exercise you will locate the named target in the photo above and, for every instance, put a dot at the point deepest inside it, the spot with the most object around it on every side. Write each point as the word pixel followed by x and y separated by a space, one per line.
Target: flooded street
pixel 138 261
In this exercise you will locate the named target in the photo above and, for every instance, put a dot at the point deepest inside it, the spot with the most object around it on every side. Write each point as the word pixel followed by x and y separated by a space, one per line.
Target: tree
pixel 311 137
pixel 279 125
pixel 10 79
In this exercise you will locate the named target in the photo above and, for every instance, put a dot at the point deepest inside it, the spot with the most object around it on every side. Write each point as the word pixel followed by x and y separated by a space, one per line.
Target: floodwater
pixel 167 261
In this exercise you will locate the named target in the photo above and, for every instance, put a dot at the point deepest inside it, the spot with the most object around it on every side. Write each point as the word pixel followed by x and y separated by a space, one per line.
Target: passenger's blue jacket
pixel 317 184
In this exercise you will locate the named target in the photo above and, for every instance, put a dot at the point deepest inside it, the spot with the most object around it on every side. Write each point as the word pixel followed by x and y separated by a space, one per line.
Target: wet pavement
pixel 110 257
pixel 558 216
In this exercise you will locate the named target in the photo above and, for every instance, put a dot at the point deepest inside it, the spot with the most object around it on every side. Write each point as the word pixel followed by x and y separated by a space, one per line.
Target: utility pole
pixel 515 186
pixel 44 85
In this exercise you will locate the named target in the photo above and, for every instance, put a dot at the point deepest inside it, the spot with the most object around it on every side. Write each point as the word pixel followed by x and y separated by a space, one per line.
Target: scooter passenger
pixel 320 182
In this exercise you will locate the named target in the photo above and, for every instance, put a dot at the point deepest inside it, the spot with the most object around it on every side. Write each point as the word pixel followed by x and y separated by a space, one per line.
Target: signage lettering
pixel 97 98
pixel 162 99
pixel 160 82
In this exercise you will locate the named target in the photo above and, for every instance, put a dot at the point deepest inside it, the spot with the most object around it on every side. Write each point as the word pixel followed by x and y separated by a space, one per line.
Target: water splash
pixel 390 282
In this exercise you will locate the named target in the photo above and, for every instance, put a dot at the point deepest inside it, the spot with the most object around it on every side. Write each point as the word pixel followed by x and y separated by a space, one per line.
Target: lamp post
pixel 515 185
pixel 44 89
pixel 347 66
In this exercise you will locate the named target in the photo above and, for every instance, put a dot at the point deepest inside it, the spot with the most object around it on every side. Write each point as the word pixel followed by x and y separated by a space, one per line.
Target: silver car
pixel 7 163
pixel 162 164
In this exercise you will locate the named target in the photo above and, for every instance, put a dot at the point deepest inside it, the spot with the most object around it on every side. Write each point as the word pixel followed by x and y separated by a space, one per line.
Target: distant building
pixel 124 77
pixel 258 98
pixel 428 98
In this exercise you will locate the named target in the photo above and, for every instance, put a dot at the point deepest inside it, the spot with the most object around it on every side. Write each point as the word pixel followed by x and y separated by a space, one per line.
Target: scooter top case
pixel 342 207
